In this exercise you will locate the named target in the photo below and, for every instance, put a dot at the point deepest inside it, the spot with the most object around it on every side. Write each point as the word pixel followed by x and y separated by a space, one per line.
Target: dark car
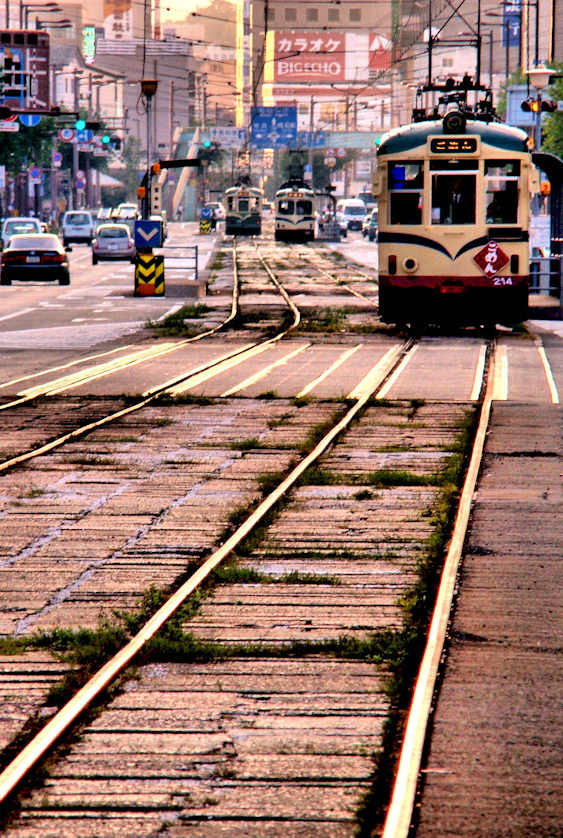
pixel 113 241
pixel 35 257
pixel 369 225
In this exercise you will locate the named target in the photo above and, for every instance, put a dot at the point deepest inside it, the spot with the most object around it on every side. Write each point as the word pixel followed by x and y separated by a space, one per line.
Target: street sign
pixel 35 174
pixel 9 127
pixel 24 70
pixel 57 159
pixel 148 233
pixel 79 183
pixel 311 139
pixel 274 127
pixel 228 136
pixel 84 136
pixel 66 134
pixel 30 120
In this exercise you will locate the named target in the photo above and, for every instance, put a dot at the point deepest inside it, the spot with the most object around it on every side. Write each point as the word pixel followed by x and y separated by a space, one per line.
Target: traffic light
pixel 141 192
pixel 80 124
pixel 156 199
pixel 530 105
pixel 115 141
pixel 207 143
pixel 106 139
pixel 548 105
pixel 155 169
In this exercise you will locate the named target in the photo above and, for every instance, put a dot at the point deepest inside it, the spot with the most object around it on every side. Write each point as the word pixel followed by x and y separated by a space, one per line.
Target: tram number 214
pixel 502 280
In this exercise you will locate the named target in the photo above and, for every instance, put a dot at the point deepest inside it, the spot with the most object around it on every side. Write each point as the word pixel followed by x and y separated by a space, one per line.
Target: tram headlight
pixel 454 123
pixel 410 264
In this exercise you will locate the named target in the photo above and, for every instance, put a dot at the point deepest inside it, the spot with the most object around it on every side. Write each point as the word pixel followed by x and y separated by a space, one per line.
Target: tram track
pixel 394 439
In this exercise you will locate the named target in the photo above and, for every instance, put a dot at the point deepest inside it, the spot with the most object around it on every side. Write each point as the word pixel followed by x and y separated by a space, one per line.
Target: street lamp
pixel 539 77
pixel 44 7
pixel 63 23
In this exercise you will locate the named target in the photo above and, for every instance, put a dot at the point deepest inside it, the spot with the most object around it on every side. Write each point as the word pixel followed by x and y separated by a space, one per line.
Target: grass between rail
pixel 397 652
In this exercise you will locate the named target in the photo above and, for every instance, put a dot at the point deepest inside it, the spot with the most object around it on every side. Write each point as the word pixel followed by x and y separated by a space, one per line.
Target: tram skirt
pixel 149 275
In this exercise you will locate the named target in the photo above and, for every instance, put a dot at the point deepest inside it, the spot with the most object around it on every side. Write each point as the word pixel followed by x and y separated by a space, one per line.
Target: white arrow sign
pixel 149 235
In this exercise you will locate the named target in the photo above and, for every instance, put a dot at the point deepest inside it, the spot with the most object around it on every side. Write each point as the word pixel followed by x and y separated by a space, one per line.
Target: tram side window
pixel 406 181
pixel 501 196
pixel 453 198
pixel 285 208
pixel 230 202
pixel 304 208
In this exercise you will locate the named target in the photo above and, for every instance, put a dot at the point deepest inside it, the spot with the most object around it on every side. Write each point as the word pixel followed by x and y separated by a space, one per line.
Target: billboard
pixel 118 19
pixel 326 56
pixel 24 69
pixel 309 56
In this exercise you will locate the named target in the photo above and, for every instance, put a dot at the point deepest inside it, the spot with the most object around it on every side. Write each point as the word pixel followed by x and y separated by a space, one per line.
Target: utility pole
pixel 72 191
pixel 311 123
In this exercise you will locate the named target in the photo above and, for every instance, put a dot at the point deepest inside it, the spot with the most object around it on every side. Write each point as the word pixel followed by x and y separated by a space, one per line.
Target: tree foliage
pixel 553 126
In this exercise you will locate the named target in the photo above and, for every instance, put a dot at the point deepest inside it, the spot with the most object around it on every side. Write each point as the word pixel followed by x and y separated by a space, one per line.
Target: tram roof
pixel 411 136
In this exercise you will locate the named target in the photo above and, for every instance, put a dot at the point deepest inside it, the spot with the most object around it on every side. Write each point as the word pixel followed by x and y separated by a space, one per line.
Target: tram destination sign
pixel 453 145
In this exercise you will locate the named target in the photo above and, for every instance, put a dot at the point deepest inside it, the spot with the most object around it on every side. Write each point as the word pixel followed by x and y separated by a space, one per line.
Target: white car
pixel 18 226
pixel 218 210
pixel 77 226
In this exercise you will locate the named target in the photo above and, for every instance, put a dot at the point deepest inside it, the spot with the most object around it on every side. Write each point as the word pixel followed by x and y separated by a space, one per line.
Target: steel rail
pixel 157 352
pixel 371 300
pixel 45 739
pixel 168 385
pixel 400 811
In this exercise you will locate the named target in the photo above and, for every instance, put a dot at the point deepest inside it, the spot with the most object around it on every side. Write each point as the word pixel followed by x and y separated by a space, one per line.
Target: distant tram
pixel 294 207
pixel 243 209
pixel 454 203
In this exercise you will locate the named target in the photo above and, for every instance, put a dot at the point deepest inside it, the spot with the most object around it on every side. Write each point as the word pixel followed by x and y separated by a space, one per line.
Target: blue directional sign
pixel 310 139
pixel 84 136
pixel 148 233
pixel 273 127
pixel 30 120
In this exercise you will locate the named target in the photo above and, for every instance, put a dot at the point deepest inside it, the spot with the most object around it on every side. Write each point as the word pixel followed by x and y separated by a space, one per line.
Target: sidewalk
pixel 495 762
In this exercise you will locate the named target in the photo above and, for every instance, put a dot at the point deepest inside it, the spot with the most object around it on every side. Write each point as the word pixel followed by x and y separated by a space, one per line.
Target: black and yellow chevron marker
pixel 204 226
pixel 149 275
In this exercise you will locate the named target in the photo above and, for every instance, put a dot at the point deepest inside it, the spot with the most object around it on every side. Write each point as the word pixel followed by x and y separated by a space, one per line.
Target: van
pixel 77 226
pixel 350 213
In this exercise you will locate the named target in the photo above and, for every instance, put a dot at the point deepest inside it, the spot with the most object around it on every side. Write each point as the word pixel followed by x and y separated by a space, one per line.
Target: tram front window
pixel 286 208
pixel 243 204
pixel 304 208
pixel 453 198
pixel 501 198
pixel 405 192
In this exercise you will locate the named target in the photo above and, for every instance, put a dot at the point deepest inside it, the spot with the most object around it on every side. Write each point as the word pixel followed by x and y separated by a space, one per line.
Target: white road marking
pixel 367 382
pixel 548 374
pixel 63 366
pixel 17 313
pixel 339 361
pixel 92 373
pixel 223 366
pixel 252 379
pixel 500 383
pixel 478 377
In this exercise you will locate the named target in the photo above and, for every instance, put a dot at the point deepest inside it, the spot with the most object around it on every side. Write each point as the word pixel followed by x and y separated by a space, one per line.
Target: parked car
pixel 35 257
pixel 77 226
pixel 18 226
pixel 369 225
pixel 113 241
pixel 127 214
pixel 162 218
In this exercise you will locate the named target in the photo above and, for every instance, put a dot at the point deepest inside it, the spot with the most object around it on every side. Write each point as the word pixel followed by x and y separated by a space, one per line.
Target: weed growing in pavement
pixel 247 444
pixel 174 323
pixel 363 494
pixel 218 260
pixel 302 401
pixel 331 320
pixel 167 399
pixel 269 395
pixel 90 461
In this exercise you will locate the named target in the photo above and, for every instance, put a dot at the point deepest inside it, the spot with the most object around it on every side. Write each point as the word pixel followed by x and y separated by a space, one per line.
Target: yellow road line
pixel 478 377
pixel 388 384
pixel 339 361
pixel 228 364
pixel 92 373
pixel 252 379
pixel 500 382
pixel 548 374
pixel 64 366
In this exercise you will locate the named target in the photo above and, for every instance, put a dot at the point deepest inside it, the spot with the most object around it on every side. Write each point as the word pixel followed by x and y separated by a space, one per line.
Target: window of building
pixel 355 15
pixel 271 13
pixel 312 15
pixel 333 15
pixel 291 15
